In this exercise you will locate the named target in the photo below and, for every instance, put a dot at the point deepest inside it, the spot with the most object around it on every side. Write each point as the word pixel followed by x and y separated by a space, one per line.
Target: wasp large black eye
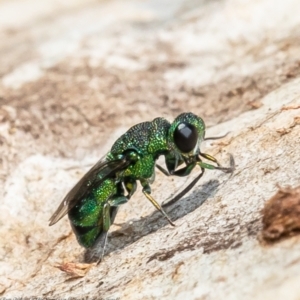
pixel 185 137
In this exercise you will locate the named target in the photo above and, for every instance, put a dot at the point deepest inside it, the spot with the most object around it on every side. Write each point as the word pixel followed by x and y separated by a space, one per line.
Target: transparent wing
pixel 93 178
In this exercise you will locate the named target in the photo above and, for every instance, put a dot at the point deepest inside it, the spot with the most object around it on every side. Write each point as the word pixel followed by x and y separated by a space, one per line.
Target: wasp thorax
pixel 185 137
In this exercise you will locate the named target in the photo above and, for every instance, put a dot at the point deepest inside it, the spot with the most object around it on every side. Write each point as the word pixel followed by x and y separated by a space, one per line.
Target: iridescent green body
pixel 92 204
pixel 86 217
pixel 149 140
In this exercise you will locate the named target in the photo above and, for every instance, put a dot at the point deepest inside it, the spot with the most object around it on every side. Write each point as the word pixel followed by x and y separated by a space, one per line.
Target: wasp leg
pixel 219 167
pixel 163 170
pixel 172 163
pixel 211 158
pixel 118 201
pixel 96 253
pixel 185 171
pixel 184 191
pixel 106 216
pixel 181 172
pixel 130 185
pixel 146 192
pixel 110 210
pixel 107 221
pixel 158 207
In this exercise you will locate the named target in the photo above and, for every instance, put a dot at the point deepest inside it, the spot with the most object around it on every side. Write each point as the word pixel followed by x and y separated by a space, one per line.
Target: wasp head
pixel 185 135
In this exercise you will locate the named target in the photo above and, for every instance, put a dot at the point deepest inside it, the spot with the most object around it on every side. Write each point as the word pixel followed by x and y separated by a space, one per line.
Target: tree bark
pixel 75 75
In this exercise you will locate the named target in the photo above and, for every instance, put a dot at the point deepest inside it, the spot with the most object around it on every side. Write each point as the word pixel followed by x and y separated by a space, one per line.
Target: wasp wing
pixel 102 170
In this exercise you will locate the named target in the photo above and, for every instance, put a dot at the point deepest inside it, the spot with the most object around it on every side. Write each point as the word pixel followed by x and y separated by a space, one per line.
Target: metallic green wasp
pixel 93 202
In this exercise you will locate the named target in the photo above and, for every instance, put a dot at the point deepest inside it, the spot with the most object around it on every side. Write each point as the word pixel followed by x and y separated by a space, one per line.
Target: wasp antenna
pixel 216 137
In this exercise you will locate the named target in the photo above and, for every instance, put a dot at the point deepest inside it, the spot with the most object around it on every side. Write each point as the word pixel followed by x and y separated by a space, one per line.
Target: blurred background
pixel 73 71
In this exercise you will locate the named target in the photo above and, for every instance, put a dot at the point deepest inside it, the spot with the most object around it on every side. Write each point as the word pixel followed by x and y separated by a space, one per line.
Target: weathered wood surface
pixel 74 75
